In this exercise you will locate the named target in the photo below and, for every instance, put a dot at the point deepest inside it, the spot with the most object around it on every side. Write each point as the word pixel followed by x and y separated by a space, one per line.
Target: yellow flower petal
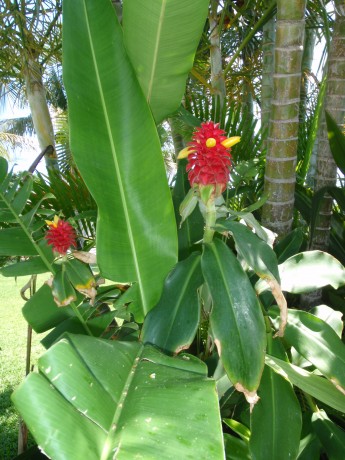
pixel 227 143
pixel 53 223
pixel 184 153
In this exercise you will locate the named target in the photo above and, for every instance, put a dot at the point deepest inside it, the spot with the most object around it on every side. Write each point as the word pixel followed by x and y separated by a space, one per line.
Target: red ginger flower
pixel 61 235
pixel 209 158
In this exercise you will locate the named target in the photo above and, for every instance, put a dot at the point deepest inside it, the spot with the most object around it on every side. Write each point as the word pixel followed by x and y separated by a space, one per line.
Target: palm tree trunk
pixel 268 40
pixel 36 95
pixel 335 105
pixel 217 73
pixel 280 173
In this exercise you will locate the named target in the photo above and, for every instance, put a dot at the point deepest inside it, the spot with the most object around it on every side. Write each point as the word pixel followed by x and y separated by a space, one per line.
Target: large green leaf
pixel 332 437
pixel 120 400
pixel 117 150
pixel 318 387
pixel 317 342
pixel 42 313
pixel 173 323
pixel 161 37
pixel 311 270
pixel 277 408
pixel 236 319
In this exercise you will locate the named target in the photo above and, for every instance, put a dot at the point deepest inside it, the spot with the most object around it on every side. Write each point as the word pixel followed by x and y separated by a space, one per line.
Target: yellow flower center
pixel 211 142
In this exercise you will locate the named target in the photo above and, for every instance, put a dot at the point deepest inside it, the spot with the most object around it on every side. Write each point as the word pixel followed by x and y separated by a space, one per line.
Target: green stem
pixel 311 402
pixel 81 319
pixel 210 221
pixel 75 308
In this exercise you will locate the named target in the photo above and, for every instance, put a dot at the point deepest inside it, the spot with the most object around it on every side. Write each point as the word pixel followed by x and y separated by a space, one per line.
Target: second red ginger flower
pixel 61 235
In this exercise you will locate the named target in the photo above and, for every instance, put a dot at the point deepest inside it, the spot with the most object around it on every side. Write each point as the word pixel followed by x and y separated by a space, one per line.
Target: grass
pixel 13 333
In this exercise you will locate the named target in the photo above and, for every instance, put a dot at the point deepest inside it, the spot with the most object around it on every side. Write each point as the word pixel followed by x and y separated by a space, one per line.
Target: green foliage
pixel 172 324
pixel 278 408
pixel 114 373
pixel 137 404
pixel 236 320
pixel 117 154
pixel 13 337
pixel 161 39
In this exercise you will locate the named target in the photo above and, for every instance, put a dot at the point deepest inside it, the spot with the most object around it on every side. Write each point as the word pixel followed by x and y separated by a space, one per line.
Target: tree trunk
pixel 280 173
pixel 268 40
pixel 335 105
pixel 36 95
pixel 217 74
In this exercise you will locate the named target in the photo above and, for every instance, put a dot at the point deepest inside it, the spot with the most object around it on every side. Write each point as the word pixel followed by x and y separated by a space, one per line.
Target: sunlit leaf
pixel 116 147
pixel 117 396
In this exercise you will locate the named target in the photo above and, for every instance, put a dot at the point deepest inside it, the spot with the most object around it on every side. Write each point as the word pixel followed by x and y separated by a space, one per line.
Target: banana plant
pixel 148 394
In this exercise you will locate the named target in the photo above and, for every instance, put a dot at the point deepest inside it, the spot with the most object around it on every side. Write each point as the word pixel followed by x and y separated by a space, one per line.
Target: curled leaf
pixel 281 302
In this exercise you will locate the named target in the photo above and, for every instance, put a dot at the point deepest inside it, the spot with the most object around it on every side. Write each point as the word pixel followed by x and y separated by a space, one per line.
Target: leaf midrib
pixel 219 262
pixel 117 168
pixel 155 52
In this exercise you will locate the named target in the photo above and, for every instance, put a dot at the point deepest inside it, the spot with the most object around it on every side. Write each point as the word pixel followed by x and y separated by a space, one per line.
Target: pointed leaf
pixel 116 396
pixel 236 319
pixel 240 429
pixel 318 387
pixel 173 323
pixel 22 195
pixel 277 408
pixel 331 436
pixel 258 254
pixel 317 342
pixel 117 150
pixel 161 38
pixel 3 168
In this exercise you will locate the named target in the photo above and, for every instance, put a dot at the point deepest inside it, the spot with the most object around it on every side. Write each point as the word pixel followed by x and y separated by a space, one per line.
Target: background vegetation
pixel 249 282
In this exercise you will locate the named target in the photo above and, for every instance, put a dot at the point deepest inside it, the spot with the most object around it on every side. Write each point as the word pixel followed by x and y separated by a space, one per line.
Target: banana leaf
pixel 117 150
pixel 161 38
pixel 98 399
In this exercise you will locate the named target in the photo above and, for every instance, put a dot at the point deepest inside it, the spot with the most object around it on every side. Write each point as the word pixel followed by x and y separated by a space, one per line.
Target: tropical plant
pixel 193 349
